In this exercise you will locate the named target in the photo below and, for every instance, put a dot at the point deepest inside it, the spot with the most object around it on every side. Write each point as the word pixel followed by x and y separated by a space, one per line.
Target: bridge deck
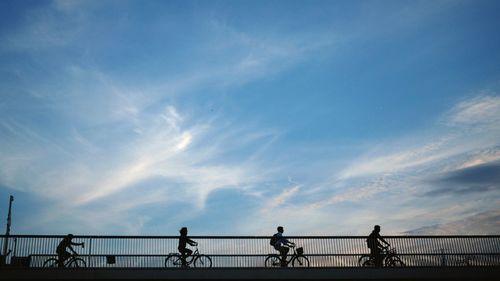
pixel 351 274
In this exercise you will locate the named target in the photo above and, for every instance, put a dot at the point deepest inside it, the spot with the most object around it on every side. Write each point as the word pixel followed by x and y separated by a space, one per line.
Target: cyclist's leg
pixel 60 261
pixel 62 256
pixel 184 254
pixel 284 251
pixel 188 252
pixel 377 254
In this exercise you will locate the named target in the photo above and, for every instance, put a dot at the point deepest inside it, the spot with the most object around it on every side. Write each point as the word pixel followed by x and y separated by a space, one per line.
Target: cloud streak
pixel 104 131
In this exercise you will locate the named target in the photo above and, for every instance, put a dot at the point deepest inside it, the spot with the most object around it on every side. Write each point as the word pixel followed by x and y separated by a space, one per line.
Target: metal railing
pixel 251 251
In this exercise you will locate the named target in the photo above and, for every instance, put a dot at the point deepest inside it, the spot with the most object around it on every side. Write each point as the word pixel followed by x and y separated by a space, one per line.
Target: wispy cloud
pixel 397 161
pixel 42 28
pixel 280 199
pixel 478 178
pixel 391 177
pixel 103 140
pixel 481 110
pixel 483 223
pixel 122 140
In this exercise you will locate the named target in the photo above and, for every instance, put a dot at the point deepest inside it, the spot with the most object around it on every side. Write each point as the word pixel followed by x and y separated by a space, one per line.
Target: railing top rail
pixel 246 237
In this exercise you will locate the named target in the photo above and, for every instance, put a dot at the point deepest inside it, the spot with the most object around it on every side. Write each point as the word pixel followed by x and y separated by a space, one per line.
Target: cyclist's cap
pixel 280 228
pixel 70 235
pixel 183 230
pixel 377 226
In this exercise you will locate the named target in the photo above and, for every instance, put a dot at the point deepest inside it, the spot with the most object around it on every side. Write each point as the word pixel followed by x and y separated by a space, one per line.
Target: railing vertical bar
pixel 32 247
pixel 22 249
pixel 25 246
pixel 25 249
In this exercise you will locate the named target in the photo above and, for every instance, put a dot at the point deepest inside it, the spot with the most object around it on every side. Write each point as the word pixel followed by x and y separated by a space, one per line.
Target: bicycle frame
pixel 71 259
pixel 294 256
pixel 192 258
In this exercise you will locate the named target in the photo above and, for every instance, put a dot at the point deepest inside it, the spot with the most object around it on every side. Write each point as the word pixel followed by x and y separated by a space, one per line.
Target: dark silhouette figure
pixel 61 249
pixel 183 241
pixel 375 246
pixel 282 245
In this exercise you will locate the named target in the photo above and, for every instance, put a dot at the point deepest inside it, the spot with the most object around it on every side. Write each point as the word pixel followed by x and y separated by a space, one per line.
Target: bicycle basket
pixel 300 251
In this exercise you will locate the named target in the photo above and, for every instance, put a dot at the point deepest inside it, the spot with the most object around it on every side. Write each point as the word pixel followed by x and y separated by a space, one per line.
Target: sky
pixel 234 117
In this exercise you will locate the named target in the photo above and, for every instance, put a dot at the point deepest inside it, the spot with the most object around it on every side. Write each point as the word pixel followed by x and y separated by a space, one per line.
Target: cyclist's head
pixel 183 230
pixel 377 228
pixel 70 236
pixel 280 229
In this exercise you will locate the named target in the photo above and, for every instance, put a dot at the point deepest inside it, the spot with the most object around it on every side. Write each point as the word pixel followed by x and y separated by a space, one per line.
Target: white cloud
pixel 481 110
pixel 397 161
pixel 281 198
pixel 482 157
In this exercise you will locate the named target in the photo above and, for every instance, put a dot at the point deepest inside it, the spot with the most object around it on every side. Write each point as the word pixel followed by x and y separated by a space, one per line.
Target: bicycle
pixel 297 260
pixel 389 259
pixel 197 259
pixel 72 262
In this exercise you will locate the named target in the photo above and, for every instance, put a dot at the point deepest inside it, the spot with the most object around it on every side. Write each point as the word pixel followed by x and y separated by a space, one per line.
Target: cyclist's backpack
pixel 274 239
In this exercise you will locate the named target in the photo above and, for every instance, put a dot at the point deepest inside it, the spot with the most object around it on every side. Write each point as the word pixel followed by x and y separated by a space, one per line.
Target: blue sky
pixel 233 117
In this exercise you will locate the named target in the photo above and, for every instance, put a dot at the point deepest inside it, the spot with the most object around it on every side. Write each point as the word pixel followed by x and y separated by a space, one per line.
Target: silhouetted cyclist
pixel 280 244
pixel 375 246
pixel 183 241
pixel 61 249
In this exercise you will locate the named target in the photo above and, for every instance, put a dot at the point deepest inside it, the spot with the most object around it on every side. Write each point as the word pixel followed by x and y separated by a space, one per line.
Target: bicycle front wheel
pixel 203 261
pixel 77 262
pixel 52 262
pixel 272 261
pixel 394 261
pixel 173 261
pixel 300 261
pixel 365 261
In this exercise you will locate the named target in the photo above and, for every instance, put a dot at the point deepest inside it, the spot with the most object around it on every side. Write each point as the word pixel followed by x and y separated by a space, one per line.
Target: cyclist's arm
pixel 191 242
pixel 72 250
pixel 76 244
pixel 383 240
pixel 287 242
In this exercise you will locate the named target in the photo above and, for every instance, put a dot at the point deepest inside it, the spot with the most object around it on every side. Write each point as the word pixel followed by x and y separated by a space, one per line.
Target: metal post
pixel 7 232
pixel 90 253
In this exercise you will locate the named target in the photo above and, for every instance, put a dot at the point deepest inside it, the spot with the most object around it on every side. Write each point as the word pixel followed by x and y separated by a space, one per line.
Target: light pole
pixel 7 232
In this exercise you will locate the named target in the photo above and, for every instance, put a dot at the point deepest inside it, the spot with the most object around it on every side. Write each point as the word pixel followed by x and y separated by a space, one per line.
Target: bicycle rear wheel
pixel 300 261
pixel 272 261
pixel 52 262
pixel 174 260
pixel 203 261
